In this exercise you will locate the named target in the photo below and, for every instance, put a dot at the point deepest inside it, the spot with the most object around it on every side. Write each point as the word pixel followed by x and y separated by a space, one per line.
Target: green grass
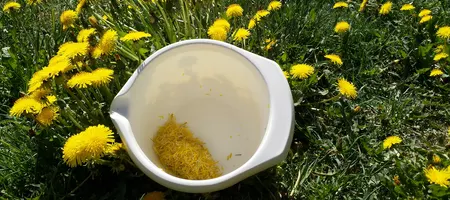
pixel 336 152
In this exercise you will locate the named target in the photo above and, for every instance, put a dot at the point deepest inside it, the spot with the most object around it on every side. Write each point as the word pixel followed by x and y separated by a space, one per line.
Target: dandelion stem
pixel 72 119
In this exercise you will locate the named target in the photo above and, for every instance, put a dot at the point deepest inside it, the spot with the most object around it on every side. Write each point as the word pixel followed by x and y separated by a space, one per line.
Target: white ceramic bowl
pixel 235 101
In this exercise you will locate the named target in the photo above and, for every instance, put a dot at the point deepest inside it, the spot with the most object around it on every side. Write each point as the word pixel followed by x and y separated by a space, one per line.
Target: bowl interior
pixel 217 91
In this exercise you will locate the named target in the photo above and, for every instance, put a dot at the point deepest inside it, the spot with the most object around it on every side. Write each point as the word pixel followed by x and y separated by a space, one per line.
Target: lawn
pixel 370 81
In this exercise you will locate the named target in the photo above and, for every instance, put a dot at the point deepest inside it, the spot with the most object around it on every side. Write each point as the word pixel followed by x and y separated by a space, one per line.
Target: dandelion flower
pixel 222 23
pixel 67 18
pixel 107 43
pixel 260 14
pixel 363 5
pixel 217 33
pixel 444 32
pixel 386 8
pixel 438 176
pixel 340 4
pixel 241 34
pixel 440 56
pixel 251 23
pixel 51 99
pixel 134 36
pixel 80 80
pixel 425 19
pixel 302 71
pixel 101 76
pixel 274 5
pixel 424 12
pixel 436 72
pixel 47 115
pixel 407 6
pixel 87 145
pixel 391 140
pixel 286 74
pixel 25 105
pixel 347 89
pixel 342 27
pixel 36 81
pixel 83 35
pixel 80 5
pixel 11 6
pixel 334 59
pixel 436 159
pixel 234 10
pixel 112 148
pixel 73 49
pixel 269 45
pixel 60 63
pixel 439 49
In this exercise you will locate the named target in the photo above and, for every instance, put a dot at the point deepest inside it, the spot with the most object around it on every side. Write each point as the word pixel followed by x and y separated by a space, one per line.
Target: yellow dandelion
pixel 107 43
pixel 439 49
pixel 436 159
pixel 425 19
pixel 424 12
pixel 73 49
pixel 334 59
pixel 222 23
pixel 104 17
pixel 440 56
pixel 269 45
pixel 51 99
pixel 438 176
pixel 83 35
pixel 251 24
pixel 444 32
pixel 391 140
pixel 274 5
pixel 260 14
pixel 37 80
pixel 340 4
pixel 11 6
pixel 241 34
pixel 97 52
pixel 347 89
pixel 386 8
pixel 80 80
pixel 135 35
pixel 87 145
pixel 363 5
pixel 67 18
pixel 342 27
pixel 47 115
pixel 301 71
pixel 101 76
pixel 217 33
pixel 436 72
pixel 25 105
pixel 80 5
pixel 286 74
pixel 234 10
pixel 61 63
pixel 407 6
pixel 112 148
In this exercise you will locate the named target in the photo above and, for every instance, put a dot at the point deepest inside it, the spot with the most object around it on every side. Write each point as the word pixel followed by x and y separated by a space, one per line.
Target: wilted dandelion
pixel 251 23
pixel 274 5
pixel 67 18
pixel 73 49
pixel 217 33
pixel 424 12
pixel 439 49
pixel 269 45
pixel 340 4
pixel 436 159
pixel 101 76
pixel 134 36
pixel 334 59
pixel 302 71
pixel 83 35
pixel 222 23
pixel 260 14
pixel 47 115
pixel 425 19
pixel 25 105
pixel 391 140
pixel 347 89
pixel 386 8
pixel 438 176
pixel 107 44
pixel 89 144
pixel 436 72
pixel 440 56
pixel 241 34
pixel 39 94
pixel 396 180
pixel 444 32
pixel 342 27
pixel 11 6
pixel 407 6
pixel 363 5
pixel 93 21
pixel 234 10
pixel 80 5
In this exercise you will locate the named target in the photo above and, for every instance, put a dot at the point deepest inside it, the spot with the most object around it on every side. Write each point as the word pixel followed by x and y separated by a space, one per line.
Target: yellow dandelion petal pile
pixel 87 145
pixel 73 49
pixel 107 44
pixel 274 5
pixel 407 6
pixel 425 19
pixel 260 14
pixel 386 8
pixel 134 36
pixel 347 89
pixel 334 59
pixel 25 105
pixel 102 76
pixel 222 23
pixel 80 5
pixel 217 33
pixel 11 6
pixel 363 5
pixel 234 10
pixel 47 115
pixel 438 176
pixel 444 32
pixel 424 12
pixel 340 4
pixel 302 71
pixel 436 72
pixel 67 18
pixel 440 56
pixel 342 27
pixel 241 34
pixel 83 35
pixel 391 140
pixel 251 24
